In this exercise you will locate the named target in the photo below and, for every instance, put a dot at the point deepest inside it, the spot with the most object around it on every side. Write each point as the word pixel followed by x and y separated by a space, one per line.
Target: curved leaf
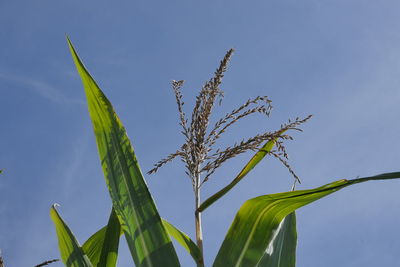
pixel 93 246
pixel 185 241
pixel 246 169
pixel 281 251
pixel 102 247
pixel 258 219
pixel 147 239
pixel 71 253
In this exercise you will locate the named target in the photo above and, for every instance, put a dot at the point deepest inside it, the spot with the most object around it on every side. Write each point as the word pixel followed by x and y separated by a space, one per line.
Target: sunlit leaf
pixel 185 241
pixel 102 247
pixel 281 250
pixel 147 239
pixel 246 169
pixel 71 253
pixel 259 218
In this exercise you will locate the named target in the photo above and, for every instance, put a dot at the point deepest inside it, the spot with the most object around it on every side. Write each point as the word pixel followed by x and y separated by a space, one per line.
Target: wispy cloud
pixel 42 89
pixel 73 163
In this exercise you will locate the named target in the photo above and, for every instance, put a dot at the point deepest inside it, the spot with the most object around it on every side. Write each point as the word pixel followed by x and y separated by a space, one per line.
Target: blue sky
pixel 338 60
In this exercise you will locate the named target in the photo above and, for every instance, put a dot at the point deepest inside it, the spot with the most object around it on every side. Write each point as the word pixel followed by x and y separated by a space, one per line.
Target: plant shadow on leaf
pixel 257 236
pixel 145 234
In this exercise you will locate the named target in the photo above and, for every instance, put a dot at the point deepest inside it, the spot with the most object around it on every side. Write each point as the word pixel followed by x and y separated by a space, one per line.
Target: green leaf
pixel 247 168
pixel 71 253
pixel 258 219
pixel 185 241
pixel 147 239
pixel 93 247
pixel 281 251
pixel 102 247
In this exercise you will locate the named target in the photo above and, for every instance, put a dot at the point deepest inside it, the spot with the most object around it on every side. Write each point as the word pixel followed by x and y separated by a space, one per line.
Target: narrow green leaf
pixel 281 251
pixel 147 239
pixel 94 245
pixel 258 219
pixel 71 253
pixel 102 247
pixel 247 168
pixel 185 241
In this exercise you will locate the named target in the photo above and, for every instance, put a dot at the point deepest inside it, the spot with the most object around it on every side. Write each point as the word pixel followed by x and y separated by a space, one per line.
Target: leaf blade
pixel 185 241
pixel 147 239
pixel 71 252
pixel 257 219
pixel 260 154
pixel 281 251
pixel 102 247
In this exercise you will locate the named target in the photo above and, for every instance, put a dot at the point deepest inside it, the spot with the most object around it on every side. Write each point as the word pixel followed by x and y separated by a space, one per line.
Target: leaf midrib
pixel 117 145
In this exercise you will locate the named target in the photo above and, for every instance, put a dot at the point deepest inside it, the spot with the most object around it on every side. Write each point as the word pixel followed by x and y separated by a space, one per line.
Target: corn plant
pixel 263 233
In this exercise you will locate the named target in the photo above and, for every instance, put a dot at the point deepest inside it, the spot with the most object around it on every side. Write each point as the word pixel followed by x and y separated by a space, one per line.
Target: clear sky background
pixel 338 60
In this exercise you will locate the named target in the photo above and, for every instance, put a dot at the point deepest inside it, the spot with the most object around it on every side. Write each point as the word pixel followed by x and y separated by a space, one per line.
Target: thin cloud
pixel 42 89
pixel 74 162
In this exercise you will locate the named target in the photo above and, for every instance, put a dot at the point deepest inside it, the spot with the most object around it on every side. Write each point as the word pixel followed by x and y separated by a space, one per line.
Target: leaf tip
pixel 67 37
pixel 55 205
